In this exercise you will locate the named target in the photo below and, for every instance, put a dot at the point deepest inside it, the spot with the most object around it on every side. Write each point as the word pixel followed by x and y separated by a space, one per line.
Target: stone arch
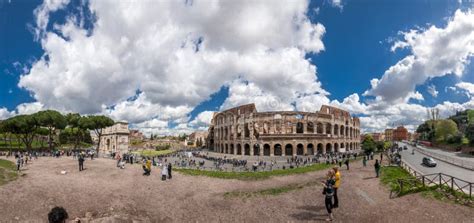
pixel 328 128
pixel 310 127
pixel 226 134
pixel 226 148
pixel 342 146
pixel 299 149
pixel 289 150
pixel 310 149
pixel 277 150
pixel 239 149
pixel 328 148
pixel 350 132
pixel 336 147
pixel 341 132
pixel 247 149
pixel 347 131
pixel 320 148
pixel 256 150
pixel 347 146
pixel 299 127
pixel 336 129
pixel 319 128
pixel 266 150
pixel 232 149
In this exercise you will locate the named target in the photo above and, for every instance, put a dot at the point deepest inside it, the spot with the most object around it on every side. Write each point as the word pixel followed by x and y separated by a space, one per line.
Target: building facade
pixel 400 133
pixel 244 131
pixel 115 138
pixel 198 138
pixel 378 137
pixel 388 134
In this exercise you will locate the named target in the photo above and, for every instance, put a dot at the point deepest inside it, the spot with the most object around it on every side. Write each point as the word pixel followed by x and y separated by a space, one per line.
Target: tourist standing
pixel 347 163
pixel 364 161
pixel 81 162
pixel 337 183
pixel 148 166
pixel 328 191
pixel 18 163
pixel 169 171
pixel 377 167
pixel 164 172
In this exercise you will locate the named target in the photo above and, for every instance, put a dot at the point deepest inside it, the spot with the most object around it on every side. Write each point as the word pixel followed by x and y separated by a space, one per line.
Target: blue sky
pixel 353 48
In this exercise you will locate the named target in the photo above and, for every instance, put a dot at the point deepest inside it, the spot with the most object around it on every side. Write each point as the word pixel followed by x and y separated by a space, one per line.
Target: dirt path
pixel 109 194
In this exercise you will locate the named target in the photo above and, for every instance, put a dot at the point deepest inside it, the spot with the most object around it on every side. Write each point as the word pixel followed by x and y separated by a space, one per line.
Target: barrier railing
pixel 435 179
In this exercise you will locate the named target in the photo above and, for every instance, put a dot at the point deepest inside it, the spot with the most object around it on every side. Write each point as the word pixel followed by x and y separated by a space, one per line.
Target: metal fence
pixel 435 179
pixel 458 162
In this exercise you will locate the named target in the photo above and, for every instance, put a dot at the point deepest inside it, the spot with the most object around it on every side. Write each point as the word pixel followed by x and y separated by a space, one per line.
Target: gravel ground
pixel 103 193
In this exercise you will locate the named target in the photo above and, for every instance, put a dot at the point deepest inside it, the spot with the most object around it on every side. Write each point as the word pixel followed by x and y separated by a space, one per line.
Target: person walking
pixel 337 183
pixel 377 167
pixel 347 163
pixel 364 161
pixel 18 163
pixel 169 171
pixel 328 191
pixel 81 162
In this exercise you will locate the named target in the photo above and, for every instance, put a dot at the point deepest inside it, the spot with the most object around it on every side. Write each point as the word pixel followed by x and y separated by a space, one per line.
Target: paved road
pixel 416 162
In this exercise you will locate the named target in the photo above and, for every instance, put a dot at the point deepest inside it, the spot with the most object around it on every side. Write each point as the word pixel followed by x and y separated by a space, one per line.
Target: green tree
pixel 40 134
pixel 52 121
pixel 368 144
pixel 444 129
pixel 96 123
pixel 24 126
pixel 470 133
pixel 78 131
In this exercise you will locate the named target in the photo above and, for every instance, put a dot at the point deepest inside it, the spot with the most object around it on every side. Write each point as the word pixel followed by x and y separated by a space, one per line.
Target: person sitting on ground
pixel 58 215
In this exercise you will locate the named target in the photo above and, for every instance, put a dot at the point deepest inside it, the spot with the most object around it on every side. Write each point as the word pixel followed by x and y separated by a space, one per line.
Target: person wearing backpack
pixel 328 191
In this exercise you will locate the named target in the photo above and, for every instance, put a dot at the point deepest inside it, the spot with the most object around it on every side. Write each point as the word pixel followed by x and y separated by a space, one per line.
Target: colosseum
pixel 244 131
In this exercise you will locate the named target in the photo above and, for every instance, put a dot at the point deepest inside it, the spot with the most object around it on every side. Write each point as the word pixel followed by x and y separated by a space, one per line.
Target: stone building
pixel 400 133
pixel 378 137
pixel 115 138
pixel 388 134
pixel 198 138
pixel 244 131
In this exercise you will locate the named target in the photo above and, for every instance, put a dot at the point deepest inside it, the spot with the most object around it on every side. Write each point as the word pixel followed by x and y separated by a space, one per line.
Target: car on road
pixel 429 162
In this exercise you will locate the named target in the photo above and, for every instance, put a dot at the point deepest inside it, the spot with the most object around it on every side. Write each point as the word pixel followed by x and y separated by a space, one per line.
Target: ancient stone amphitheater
pixel 244 131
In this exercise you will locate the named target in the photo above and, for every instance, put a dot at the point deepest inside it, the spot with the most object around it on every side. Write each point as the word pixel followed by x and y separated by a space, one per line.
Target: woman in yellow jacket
pixel 337 177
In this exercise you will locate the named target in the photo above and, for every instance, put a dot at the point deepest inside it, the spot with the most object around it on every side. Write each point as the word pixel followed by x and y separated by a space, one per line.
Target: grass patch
pixel 268 192
pixel 150 152
pixel 7 171
pixel 390 175
pixel 254 175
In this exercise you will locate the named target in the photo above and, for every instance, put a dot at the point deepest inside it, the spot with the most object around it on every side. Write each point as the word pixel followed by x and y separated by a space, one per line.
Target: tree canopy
pixel 444 129
pixel 368 144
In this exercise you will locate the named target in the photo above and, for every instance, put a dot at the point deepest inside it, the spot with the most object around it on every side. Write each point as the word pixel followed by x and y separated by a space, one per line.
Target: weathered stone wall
pixel 248 132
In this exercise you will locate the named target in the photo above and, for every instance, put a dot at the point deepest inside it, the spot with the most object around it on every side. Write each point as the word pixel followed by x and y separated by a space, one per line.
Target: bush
pixel 454 139
pixel 162 147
